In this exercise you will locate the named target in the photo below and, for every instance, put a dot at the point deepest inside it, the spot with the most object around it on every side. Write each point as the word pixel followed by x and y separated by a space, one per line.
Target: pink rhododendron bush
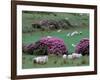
pixel 82 47
pixel 46 45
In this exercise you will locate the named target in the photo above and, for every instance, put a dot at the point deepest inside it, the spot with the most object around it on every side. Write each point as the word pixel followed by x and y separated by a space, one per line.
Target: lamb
pixel 41 59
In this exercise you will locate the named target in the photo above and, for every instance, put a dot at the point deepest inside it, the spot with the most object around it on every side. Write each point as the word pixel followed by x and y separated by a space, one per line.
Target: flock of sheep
pixel 72 34
pixel 44 59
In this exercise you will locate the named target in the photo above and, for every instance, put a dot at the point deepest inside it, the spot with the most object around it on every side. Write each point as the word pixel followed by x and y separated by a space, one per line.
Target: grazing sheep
pixel 49 37
pixel 68 34
pixel 41 59
pixel 70 57
pixel 59 31
pixel 73 45
pixel 76 55
pixel 74 33
pixel 64 56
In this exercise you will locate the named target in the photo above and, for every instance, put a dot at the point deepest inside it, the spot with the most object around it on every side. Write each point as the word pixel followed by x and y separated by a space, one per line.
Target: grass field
pixel 54 61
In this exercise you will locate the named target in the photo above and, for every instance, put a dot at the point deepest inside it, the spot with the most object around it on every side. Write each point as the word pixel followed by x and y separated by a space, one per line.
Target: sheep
pixel 68 34
pixel 73 45
pixel 49 37
pixel 70 56
pixel 59 31
pixel 74 33
pixel 40 59
pixel 64 56
pixel 76 55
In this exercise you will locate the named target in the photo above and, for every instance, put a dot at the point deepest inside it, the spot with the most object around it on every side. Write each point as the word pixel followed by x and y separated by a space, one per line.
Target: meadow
pixel 30 35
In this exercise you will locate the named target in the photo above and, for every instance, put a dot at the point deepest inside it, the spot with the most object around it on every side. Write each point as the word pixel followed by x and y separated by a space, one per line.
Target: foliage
pixel 47 46
pixel 83 46
pixel 54 45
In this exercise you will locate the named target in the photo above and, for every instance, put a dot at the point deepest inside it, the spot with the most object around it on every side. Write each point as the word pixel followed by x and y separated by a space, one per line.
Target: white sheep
pixel 49 37
pixel 64 56
pixel 59 31
pixel 73 45
pixel 68 34
pixel 70 56
pixel 40 59
pixel 74 33
pixel 76 55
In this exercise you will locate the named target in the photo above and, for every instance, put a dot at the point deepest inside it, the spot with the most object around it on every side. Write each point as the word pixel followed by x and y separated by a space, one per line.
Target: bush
pixel 51 46
pixel 47 46
pixel 83 47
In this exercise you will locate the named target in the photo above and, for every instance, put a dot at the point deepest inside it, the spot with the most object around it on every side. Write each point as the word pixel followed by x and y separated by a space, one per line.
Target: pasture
pixel 29 35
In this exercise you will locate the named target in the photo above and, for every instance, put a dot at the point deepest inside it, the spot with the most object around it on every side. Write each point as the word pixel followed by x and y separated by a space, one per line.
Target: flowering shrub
pixel 54 45
pixel 83 46
pixel 47 46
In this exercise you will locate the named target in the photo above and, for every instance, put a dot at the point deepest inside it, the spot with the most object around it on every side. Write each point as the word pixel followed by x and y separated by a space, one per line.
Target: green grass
pixel 27 38
pixel 54 61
